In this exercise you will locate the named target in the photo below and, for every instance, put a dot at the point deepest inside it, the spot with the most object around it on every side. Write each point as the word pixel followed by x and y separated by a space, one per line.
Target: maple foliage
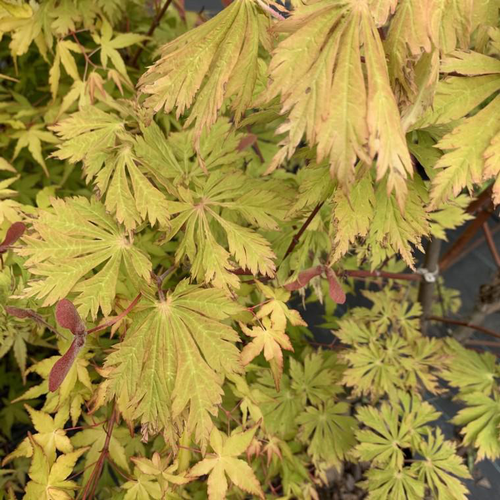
pixel 178 191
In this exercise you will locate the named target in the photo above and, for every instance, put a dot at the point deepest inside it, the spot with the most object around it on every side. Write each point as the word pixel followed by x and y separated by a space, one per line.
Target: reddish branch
pixel 491 244
pixel 383 274
pixel 482 208
pixel 154 25
pixel 296 238
pixel 91 485
pixel 457 322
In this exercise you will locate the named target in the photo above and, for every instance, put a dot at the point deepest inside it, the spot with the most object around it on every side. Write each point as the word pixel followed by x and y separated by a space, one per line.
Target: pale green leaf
pixel 464 160
pixel 173 359
pixel 456 97
pixel 481 421
pixel 440 467
pixel 470 63
pixel 328 431
pixel 73 239
pixel 215 61
pixel 393 483
pixel 225 463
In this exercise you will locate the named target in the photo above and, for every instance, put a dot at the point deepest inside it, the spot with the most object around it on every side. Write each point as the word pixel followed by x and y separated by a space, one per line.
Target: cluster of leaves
pixel 168 181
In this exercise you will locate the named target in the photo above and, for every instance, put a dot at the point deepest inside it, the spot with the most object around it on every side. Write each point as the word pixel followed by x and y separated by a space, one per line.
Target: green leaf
pixel 90 136
pixel 20 11
pixel 328 431
pixel 217 60
pixel 455 24
pixel 470 63
pixel 94 438
pixel 317 378
pixel 456 97
pixel 375 368
pixel 470 371
pixel 409 35
pixel 481 419
pixel 463 164
pixel 32 138
pixel 86 134
pixel 439 467
pixel 50 432
pixel 173 361
pixel 225 464
pixel 352 215
pixel 393 483
pixel 73 239
pixel 392 429
pixel 49 481
pixel 449 215
pixel 212 207
pixel 394 229
pixel 269 339
pixel 142 487
pixel 109 46
pixel 280 409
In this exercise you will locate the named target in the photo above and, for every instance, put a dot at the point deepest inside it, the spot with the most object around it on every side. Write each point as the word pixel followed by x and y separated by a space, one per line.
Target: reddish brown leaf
pixel 28 313
pixel 67 316
pixel 304 278
pixel 336 292
pixel 20 313
pixel 63 365
pixel 247 141
pixel 13 234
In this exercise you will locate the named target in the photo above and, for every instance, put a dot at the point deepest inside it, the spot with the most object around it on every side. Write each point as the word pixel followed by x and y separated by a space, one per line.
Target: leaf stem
pixel 98 328
pixel 296 238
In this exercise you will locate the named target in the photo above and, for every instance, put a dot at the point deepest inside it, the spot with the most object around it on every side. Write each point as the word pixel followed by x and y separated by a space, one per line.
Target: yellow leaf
pixel 340 100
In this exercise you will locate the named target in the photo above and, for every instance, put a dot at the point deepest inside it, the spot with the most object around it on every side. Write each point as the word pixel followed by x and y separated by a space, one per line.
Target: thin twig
pixel 382 274
pixel 491 244
pixel 96 473
pixel 154 25
pixel 296 238
pixel 476 243
pixel 85 55
pixel 488 343
pixel 458 322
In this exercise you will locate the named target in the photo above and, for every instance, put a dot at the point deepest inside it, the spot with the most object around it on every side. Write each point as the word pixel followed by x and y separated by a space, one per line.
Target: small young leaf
pixel 13 234
pixel 64 364
pixel 67 316
pixel 225 463
pixel 335 290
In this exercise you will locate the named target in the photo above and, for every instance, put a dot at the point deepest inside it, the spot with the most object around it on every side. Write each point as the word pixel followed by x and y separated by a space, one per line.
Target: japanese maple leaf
pixel 271 340
pixel 225 463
